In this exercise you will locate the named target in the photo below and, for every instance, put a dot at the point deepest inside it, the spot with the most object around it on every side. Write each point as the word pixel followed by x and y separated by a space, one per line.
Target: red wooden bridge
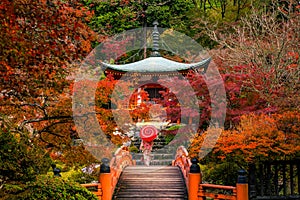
pixel 122 179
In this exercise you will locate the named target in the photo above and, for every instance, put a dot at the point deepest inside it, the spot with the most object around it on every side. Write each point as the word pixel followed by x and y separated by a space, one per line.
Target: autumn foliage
pixel 257 138
pixel 40 37
pixel 40 42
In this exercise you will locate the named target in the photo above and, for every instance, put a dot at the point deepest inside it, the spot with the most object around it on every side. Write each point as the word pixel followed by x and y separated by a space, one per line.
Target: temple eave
pixel 157 66
pixel 132 74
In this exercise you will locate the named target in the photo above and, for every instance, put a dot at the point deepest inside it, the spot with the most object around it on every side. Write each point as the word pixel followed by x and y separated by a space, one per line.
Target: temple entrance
pixel 154 92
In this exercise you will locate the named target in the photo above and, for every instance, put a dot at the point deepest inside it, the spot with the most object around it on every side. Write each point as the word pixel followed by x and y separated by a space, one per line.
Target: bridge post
pixel 194 180
pixel 105 179
pixel 242 186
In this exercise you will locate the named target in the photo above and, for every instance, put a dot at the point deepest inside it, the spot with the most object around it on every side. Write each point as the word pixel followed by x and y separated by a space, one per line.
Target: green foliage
pixel 175 127
pixel 48 187
pixel 113 17
pixel 170 133
pixel 21 159
pixel 80 177
pixel 169 138
pixel 11 188
pixel 22 162
pixel 224 173
pixel 133 149
pixel 219 14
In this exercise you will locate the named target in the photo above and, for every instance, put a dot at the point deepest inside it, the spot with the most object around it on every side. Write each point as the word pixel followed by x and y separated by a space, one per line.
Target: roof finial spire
pixel 155 36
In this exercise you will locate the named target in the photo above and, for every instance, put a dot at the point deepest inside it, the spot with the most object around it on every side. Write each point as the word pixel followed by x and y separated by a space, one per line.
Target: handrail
pixel 198 190
pixel 214 186
pixel 217 196
pixel 122 158
pixel 183 162
pixel 110 175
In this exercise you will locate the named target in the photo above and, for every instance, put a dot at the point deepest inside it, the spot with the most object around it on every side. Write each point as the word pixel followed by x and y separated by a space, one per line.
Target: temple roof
pixel 157 65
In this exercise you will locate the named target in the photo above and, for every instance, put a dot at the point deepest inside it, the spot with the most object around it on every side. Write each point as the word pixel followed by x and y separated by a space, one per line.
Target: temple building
pixel 150 69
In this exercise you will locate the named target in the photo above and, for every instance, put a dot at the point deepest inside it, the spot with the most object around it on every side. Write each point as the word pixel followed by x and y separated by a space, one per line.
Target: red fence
pixel 198 190
pixel 110 173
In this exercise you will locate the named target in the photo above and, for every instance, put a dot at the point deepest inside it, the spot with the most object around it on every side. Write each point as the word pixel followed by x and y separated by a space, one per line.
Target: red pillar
pixel 105 180
pixel 242 186
pixel 194 180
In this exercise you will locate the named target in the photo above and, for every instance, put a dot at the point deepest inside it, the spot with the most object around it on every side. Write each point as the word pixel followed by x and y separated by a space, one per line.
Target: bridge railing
pixel 110 172
pixel 183 161
pixel 122 158
pixel 214 192
pixel 198 190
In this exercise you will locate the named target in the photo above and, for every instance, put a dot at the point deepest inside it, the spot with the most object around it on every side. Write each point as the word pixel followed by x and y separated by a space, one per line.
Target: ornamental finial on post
pixel 242 192
pixel 56 171
pixel 195 168
pixel 242 176
pixel 104 167
pixel 155 36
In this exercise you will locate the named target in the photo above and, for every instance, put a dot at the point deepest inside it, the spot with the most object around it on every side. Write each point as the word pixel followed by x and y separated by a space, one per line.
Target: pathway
pixel 153 182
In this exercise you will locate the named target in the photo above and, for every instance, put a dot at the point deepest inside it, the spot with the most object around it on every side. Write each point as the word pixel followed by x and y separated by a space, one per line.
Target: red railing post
pixel 242 186
pixel 105 180
pixel 194 180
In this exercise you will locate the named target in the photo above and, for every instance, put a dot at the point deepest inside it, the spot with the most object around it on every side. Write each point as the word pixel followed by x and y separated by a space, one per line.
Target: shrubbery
pixel 24 167
pixel 21 159
pixel 81 177
pixel 47 187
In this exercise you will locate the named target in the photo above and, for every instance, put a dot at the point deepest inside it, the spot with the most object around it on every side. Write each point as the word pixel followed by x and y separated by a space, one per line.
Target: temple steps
pixel 161 154
pixel 156 158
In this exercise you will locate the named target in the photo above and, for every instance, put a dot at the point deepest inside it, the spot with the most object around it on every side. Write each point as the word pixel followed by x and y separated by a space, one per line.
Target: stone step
pixel 165 149
pixel 154 155
pixel 156 162
pixel 158 143
pixel 156 146
pixel 156 159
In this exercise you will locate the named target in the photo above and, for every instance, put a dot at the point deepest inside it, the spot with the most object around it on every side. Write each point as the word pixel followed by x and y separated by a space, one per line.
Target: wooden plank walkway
pixel 152 182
